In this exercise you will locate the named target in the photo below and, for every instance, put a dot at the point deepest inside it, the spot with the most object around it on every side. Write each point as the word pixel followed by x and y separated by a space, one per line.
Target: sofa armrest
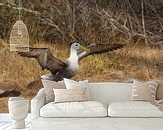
pixel 36 103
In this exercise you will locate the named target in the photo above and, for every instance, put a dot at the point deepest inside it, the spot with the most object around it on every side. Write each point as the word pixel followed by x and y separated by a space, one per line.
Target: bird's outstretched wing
pixel 99 48
pixel 45 59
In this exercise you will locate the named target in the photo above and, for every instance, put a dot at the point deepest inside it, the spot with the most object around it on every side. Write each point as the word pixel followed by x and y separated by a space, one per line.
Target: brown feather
pixel 98 49
pixel 45 59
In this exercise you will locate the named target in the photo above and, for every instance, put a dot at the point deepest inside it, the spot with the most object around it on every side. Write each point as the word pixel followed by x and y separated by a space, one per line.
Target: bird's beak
pixel 84 49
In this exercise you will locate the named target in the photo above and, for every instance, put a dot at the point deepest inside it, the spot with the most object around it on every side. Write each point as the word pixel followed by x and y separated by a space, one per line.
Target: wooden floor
pixel 8 126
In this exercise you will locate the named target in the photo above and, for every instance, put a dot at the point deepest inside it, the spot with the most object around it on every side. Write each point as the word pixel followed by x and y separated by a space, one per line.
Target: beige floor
pixel 8 126
pixel 5 122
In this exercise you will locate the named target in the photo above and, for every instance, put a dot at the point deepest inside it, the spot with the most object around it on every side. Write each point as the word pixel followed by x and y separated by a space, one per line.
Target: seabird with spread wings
pixel 66 69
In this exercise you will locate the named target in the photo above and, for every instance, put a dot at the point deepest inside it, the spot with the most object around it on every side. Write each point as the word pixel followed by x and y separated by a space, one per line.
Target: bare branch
pixel 143 24
pixel 13 6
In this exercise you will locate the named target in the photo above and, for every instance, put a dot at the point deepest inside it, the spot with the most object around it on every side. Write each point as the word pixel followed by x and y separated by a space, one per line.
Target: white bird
pixel 70 67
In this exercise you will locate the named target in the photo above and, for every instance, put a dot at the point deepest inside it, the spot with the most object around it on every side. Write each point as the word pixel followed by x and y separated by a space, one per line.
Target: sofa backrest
pixel 108 92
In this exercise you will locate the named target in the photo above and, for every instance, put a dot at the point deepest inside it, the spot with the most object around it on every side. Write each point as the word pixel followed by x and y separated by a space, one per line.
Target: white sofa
pixel 114 111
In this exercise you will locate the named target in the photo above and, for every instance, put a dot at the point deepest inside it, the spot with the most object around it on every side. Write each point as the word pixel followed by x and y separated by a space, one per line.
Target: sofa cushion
pixel 159 93
pixel 70 95
pixel 48 88
pixel 133 109
pixel 144 91
pixel 72 84
pixel 74 109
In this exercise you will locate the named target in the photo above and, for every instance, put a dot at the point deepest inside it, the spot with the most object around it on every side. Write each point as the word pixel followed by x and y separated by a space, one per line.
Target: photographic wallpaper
pixel 101 41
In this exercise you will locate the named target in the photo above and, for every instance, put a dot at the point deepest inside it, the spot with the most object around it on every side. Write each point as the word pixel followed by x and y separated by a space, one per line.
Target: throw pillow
pixel 71 84
pixel 70 95
pixel 49 86
pixel 144 91
pixel 159 93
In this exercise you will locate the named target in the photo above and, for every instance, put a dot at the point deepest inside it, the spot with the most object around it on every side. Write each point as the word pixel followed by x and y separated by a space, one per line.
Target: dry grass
pixel 130 62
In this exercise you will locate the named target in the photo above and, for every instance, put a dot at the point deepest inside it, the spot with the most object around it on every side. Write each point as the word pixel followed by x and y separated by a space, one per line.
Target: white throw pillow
pixel 48 88
pixel 70 95
pixel 71 84
pixel 144 91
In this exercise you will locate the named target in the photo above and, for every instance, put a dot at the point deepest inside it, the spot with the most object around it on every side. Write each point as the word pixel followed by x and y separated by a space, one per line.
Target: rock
pixel 7 89
pixel 8 85
pixel 160 65
pixel 12 93
pixel 159 45
pixel 36 84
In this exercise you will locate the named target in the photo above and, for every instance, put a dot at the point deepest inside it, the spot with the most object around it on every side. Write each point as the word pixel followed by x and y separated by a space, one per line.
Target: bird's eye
pixel 76 44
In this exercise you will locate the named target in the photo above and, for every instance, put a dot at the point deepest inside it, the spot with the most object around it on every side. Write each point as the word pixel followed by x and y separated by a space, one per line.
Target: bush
pixel 102 21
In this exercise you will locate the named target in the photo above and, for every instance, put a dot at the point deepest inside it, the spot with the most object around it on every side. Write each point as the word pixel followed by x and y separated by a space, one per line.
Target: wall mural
pixel 70 66
pixel 102 41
